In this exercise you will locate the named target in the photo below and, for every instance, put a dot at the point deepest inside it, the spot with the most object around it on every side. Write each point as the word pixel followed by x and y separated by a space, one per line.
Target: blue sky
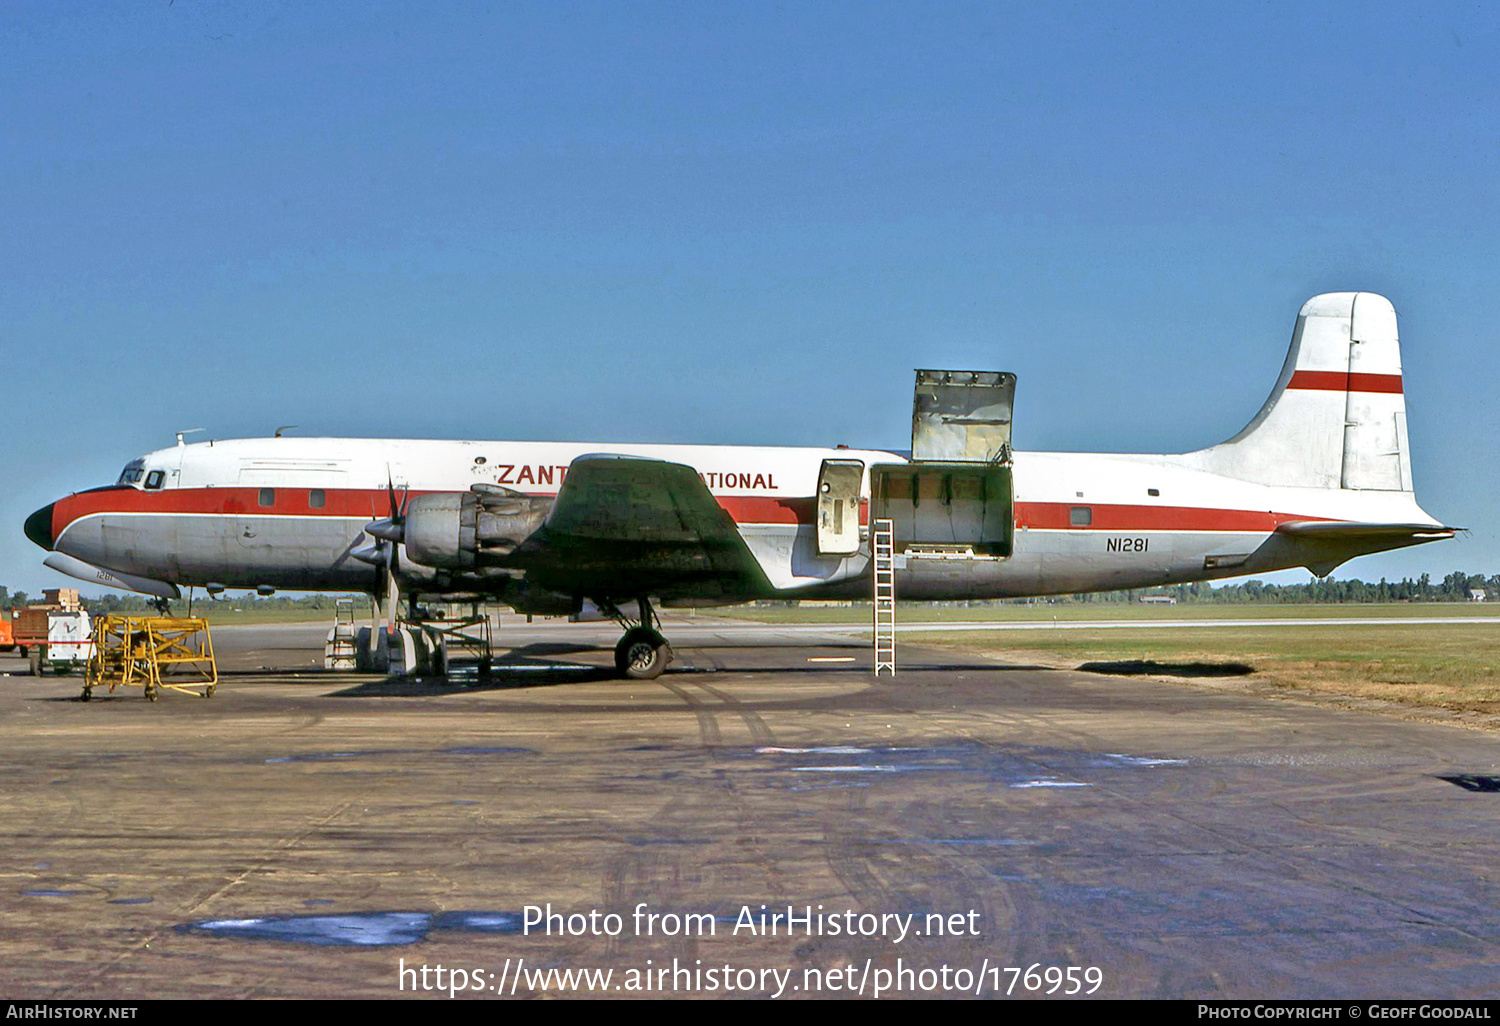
pixel 738 223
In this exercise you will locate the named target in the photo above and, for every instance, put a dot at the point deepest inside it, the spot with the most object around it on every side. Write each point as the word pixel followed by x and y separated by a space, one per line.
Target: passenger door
pixel 839 484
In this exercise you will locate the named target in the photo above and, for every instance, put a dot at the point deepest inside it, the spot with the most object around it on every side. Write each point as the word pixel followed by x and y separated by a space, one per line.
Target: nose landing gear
pixel 643 653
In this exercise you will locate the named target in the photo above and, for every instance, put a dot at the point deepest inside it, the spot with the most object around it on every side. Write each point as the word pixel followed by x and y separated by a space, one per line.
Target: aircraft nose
pixel 39 527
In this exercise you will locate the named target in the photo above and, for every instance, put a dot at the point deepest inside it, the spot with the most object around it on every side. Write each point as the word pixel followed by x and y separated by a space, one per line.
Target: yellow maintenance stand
pixel 152 652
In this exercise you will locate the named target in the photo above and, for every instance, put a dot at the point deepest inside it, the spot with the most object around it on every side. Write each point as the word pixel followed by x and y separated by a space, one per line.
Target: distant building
pixel 1159 600
pixel 1475 594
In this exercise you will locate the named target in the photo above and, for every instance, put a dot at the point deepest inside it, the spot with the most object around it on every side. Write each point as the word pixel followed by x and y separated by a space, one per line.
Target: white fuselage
pixel 287 513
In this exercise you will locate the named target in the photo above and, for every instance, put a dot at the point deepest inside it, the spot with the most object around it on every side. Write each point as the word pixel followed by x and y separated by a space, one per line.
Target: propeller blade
pixel 392 599
pixel 391 530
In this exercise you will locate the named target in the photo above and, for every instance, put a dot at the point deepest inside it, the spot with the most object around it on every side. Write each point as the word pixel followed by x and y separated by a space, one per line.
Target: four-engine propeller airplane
pixel 1322 474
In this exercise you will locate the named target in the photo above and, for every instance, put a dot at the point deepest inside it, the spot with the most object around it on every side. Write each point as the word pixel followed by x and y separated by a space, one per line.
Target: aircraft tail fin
pixel 1337 416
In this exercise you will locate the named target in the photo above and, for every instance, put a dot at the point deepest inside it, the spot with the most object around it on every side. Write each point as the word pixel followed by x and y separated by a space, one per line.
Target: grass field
pixel 222 613
pixel 1454 667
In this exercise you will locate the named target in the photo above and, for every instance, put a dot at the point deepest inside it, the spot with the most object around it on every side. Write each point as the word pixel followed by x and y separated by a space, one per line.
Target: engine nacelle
pixel 466 530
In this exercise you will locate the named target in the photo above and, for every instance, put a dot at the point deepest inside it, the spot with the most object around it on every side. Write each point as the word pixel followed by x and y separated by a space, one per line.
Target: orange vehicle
pixel 7 636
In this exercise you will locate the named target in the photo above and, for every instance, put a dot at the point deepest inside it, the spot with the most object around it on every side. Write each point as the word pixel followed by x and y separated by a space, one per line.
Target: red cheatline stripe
pixel 1341 381
pixel 342 502
pixel 745 509
pixel 1057 516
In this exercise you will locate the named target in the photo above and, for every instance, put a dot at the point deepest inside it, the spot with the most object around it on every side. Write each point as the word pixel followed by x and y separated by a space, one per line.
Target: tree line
pixel 126 602
pixel 1454 587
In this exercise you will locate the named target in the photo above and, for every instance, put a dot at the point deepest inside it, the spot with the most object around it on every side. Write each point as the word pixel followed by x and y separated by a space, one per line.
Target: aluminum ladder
pixel 341 650
pixel 883 554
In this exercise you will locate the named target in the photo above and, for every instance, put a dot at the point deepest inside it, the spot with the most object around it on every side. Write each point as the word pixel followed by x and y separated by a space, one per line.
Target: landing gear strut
pixel 643 653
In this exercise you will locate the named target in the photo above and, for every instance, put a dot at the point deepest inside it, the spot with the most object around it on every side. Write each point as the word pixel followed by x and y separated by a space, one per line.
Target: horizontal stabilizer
pixel 1342 530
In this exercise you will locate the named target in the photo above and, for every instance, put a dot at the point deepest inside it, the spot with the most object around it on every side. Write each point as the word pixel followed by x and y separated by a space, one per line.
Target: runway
pixel 310 834
pixel 302 641
pixel 1174 625
pixel 731 632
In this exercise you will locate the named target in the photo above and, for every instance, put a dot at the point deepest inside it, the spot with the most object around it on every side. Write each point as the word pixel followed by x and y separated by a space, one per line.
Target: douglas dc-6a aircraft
pixel 1322 474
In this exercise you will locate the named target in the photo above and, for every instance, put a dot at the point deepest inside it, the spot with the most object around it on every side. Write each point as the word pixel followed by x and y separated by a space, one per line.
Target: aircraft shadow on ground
pixel 529 667
pixel 117 697
pixel 1473 782
pixel 514 676
pixel 1144 667
pixel 534 666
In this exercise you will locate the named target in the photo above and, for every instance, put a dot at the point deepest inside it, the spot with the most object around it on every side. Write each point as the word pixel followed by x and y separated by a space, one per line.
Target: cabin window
pixel 268 497
pixel 131 474
pixel 317 498
pixel 155 478
pixel 1081 516
pixel 1153 492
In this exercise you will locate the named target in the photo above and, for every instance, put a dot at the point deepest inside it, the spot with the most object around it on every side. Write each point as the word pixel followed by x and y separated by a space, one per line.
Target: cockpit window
pixel 132 473
pixel 155 478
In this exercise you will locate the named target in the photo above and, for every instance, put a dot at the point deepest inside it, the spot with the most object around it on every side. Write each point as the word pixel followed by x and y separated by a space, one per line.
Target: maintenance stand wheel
pixel 642 654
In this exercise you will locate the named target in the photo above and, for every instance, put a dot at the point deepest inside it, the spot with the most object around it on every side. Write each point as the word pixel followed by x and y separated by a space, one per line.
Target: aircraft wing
pixel 624 526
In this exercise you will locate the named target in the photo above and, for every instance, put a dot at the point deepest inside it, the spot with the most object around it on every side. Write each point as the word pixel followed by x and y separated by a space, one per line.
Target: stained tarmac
pixel 387 753
pixel 362 929
pixel 295 834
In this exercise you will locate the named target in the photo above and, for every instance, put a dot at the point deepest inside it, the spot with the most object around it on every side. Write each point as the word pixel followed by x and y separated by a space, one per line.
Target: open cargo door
pixel 962 416
pixel 955 499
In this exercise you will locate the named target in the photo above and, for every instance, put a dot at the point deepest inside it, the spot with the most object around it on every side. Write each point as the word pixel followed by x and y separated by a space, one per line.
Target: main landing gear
pixel 643 653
